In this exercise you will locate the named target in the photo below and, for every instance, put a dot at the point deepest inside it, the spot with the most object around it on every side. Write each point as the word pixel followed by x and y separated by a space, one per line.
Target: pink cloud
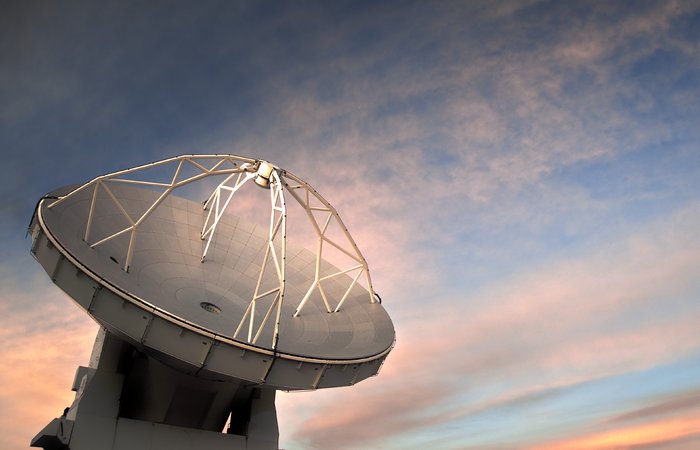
pixel 681 403
pixel 545 321
pixel 661 433
pixel 548 328
pixel 44 342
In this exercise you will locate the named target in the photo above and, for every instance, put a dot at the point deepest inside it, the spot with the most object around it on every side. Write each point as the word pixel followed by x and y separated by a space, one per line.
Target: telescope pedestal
pixel 126 400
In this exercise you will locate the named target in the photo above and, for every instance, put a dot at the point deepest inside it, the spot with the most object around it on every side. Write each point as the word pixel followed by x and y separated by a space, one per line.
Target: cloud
pixel 662 433
pixel 680 403
pixel 45 339
pixel 453 139
pixel 547 329
pixel 547 321
pixel 416 149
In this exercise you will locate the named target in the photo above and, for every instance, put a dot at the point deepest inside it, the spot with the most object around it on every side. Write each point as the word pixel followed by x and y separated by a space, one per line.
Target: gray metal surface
pixel 168 282
pixel 126 400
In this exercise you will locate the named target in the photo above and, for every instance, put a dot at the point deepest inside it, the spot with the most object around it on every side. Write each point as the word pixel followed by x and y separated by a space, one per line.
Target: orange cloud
pixel 660 432
pixel 44 339
pixel 546 321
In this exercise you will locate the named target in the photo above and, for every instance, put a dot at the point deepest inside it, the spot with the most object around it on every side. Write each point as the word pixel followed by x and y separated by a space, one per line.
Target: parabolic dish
pixel 235 302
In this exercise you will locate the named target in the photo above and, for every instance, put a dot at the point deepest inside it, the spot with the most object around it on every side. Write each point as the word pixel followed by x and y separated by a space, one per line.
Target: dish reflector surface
pixel 167 273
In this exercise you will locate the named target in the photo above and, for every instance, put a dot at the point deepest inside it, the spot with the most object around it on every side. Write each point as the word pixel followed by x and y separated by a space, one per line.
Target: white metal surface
pixel 188 370
pixel 238 171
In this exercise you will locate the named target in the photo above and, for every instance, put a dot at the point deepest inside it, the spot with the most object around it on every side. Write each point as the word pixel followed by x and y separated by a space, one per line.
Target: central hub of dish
pixel 264 173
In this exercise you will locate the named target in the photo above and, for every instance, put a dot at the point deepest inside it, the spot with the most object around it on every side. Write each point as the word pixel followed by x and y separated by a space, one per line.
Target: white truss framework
pixel 238 171
pixel 303 193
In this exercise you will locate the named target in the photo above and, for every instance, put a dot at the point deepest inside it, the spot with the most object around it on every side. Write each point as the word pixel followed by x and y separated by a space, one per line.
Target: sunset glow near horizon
pixel 523 178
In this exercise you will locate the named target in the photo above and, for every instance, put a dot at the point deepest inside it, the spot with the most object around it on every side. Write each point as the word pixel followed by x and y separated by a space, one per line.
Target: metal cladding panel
pixel 140 435
pixel 46 254
pixel 80 373
pixel 132 435
pixel 179 342
pixel 54 435
pixel 166 437
pixel 116 313
pixel 367 370
pixel 75 283
pixel 89 433
pixel 295 375
pixel 236 362
pixel 66 275
pixel 339 375
pixel 172 361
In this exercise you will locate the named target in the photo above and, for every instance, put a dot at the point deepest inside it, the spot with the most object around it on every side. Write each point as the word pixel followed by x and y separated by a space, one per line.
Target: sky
pixel 523 178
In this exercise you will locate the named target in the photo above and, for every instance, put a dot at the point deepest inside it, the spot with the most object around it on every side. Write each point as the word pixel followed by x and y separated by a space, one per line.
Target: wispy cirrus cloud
pixel 678 433
pixel 45 339
pixel 542 332
pixel 520 176
pixel 680 403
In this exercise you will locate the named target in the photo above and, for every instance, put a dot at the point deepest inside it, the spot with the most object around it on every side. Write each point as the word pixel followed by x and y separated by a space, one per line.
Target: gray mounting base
pixel 128 400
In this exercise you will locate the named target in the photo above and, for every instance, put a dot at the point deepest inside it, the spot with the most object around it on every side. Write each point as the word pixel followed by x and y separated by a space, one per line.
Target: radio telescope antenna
pixel 203 313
